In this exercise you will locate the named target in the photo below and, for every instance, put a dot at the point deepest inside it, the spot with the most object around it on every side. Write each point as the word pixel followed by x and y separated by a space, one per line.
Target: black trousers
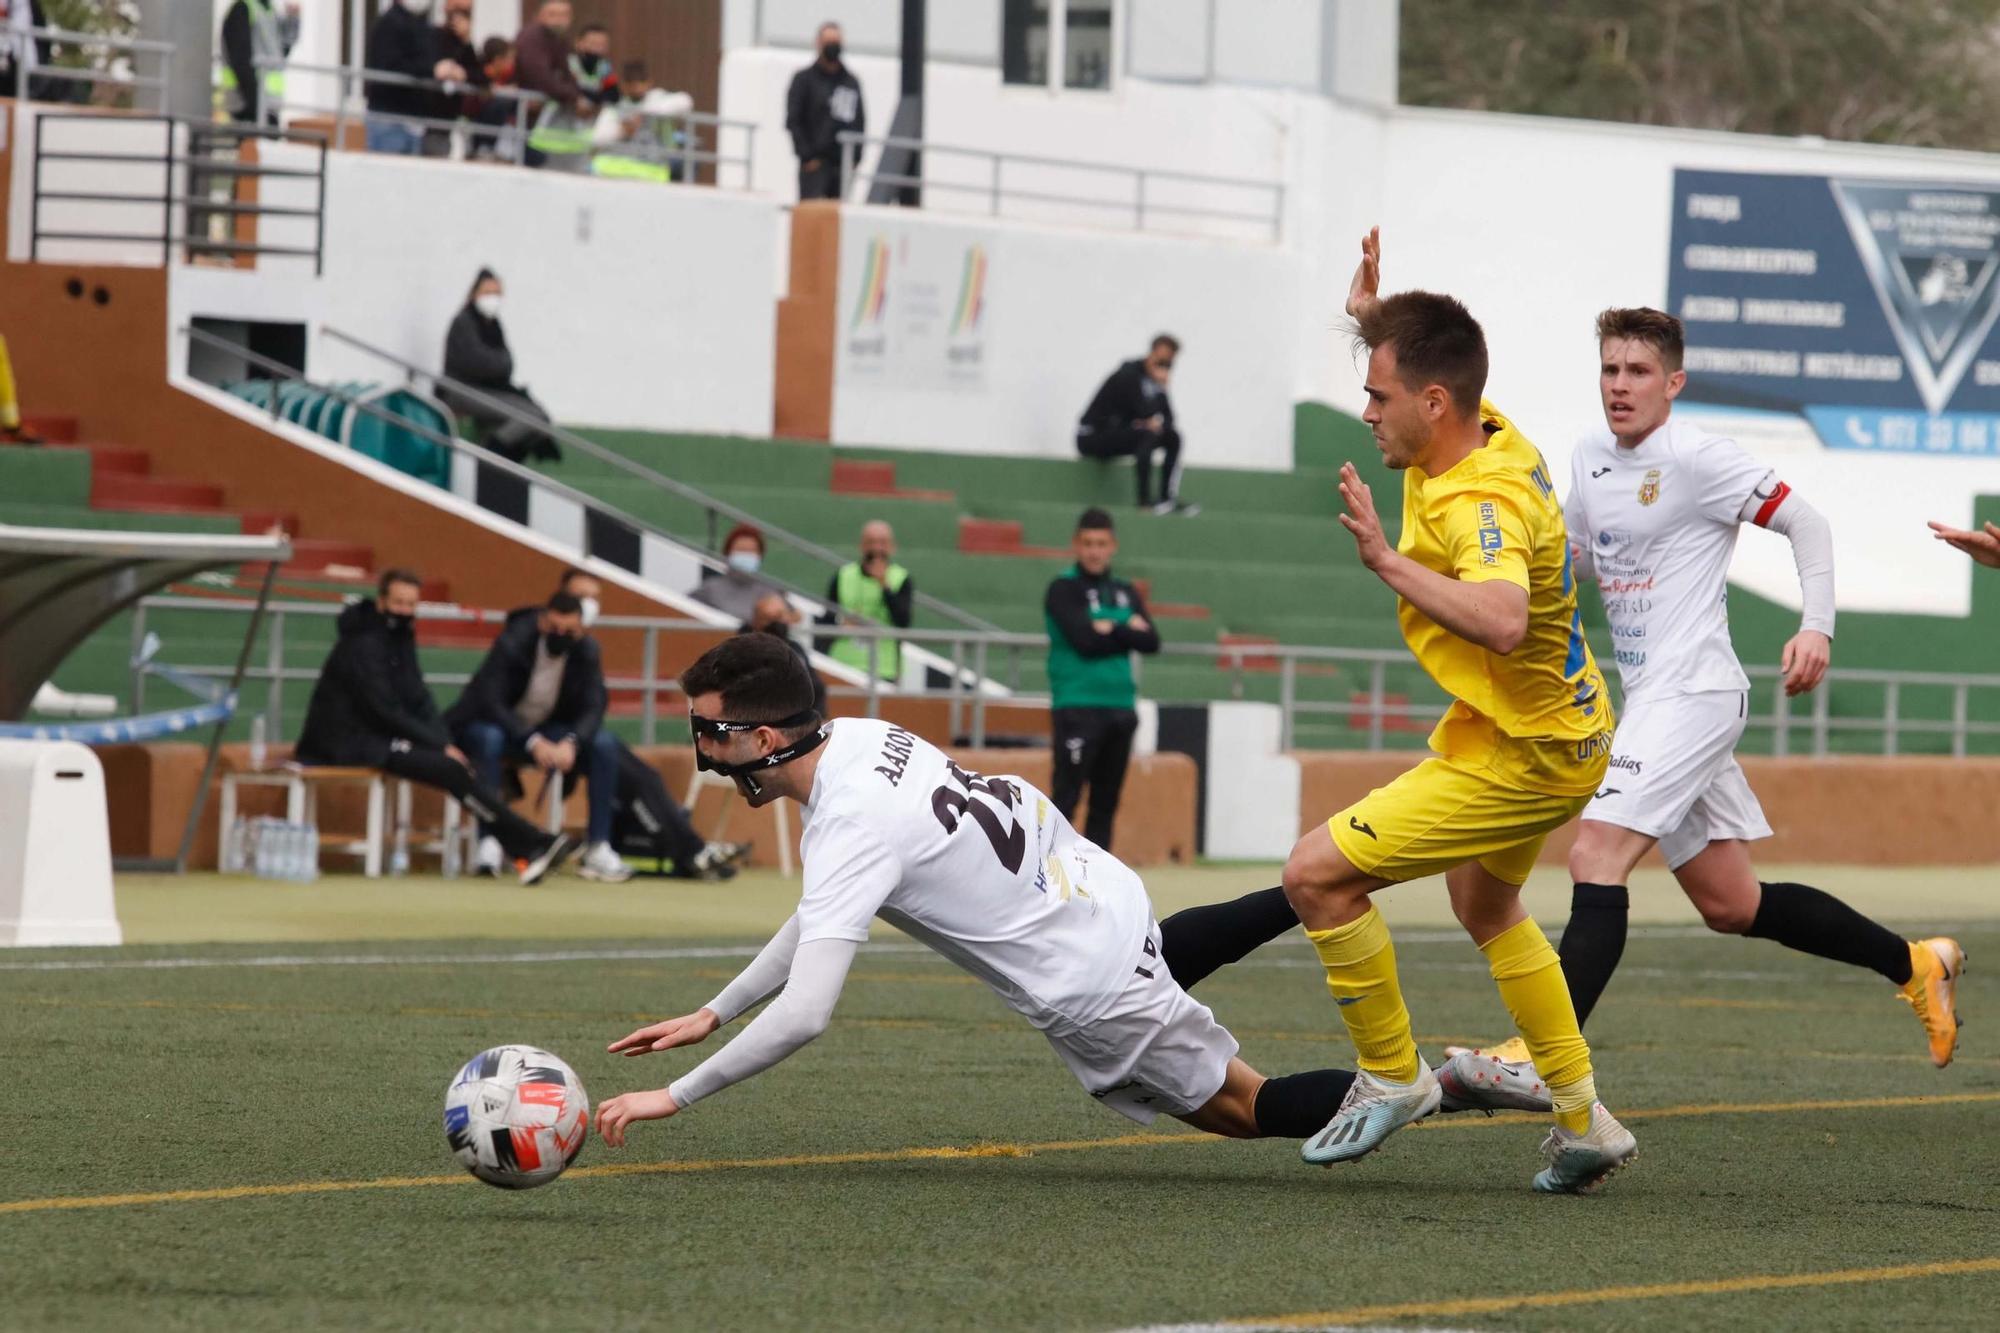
pixel 1092 746
pixel 435 768
pixel 823 181
pixel 1140 445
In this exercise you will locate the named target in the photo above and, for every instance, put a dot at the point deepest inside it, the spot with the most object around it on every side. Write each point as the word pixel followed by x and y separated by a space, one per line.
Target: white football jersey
pixel 1660 522
pixel 983 870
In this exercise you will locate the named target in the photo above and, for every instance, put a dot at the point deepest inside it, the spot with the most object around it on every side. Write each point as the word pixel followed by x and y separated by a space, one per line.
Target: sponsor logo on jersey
pixel 1592 746
pixel 1628 763
pixel 1489 532
pixel 1598 472
pixel 1649 489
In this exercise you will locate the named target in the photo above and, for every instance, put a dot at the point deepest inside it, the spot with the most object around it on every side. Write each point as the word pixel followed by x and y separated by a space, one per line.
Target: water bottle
pixel 257 743
pixel 260 847
pixel 308 855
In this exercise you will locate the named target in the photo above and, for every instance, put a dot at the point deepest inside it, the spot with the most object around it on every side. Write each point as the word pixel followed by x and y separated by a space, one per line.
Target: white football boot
pixel 1579 1163
pixel 1373 1109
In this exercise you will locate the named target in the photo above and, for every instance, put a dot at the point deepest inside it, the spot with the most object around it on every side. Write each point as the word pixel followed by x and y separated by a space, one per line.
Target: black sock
pixel 1298 1106
pixel 1801 917
pixel 1197 941
pixel 1593 941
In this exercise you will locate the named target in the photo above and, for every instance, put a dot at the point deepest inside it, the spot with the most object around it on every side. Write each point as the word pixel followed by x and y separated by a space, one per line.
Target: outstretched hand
pixel 1363 294
pixel 1983 546
pixel 1361 519
pixel 687 1030
pixel 629 1107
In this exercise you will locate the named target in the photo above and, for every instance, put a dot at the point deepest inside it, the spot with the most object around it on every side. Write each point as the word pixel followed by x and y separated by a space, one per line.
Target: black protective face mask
pixel 591 64
pixel 558 644
pixel 397 624
pixel 831 51
pixel 745 773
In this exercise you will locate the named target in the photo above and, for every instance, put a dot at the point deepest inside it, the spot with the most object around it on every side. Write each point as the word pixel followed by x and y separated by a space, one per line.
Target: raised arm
pixel 1489 609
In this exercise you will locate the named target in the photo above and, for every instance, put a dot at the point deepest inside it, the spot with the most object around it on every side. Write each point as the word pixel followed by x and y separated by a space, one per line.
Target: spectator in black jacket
pixel 539 696
pixel 1130 416
pixel 252 30
pixel 824 99
pixel 775 614
pixel 20 54
pixel 476 355
pixel 452 41
pixel 402 42
pixel 370 708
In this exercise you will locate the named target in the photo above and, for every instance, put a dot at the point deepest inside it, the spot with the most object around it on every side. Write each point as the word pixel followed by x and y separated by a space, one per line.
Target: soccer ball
pixel 516 1116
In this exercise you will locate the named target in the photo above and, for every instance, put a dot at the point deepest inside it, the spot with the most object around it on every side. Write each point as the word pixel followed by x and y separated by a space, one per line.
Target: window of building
pixel 1041 40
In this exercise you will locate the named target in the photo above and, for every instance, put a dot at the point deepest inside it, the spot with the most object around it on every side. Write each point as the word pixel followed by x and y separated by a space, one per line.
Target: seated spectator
pixel 648 823
pixel 591 68
pixel 775 614
pixel 370 708
pixel 734 589
pixel 1131 417
pixel 539 696
pixel 873 590
pixel 541 64
pixel 401 43
pixel 476 356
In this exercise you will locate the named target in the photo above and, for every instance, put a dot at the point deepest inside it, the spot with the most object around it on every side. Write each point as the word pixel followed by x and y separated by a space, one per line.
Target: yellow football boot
pixel 1932 991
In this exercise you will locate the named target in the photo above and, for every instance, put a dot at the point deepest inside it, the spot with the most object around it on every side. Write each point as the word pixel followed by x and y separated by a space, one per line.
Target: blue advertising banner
pixel 1866 306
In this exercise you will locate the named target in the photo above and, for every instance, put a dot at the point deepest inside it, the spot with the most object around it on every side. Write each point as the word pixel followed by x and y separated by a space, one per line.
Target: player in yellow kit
pixel 1487 603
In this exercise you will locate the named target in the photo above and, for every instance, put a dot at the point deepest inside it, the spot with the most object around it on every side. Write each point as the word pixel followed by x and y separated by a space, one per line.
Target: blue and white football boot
pixel 1373 1109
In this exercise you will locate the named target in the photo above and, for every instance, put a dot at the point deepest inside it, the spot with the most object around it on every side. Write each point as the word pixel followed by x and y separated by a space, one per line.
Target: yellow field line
pixel 1544 1300
pixel 942 1153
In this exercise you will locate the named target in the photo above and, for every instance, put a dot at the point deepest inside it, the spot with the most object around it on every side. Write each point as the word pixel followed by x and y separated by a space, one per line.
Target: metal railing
pixel 992 661
pixel 715 511
pixel 186 184
pixel 158 83
pixel 1141 198
pixel 689 127
pixel 482 457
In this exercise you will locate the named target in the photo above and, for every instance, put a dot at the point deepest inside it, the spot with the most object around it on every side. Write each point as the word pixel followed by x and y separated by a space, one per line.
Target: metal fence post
pixel 1959 718
pixel 1891 715
pixel 1822 706
pixel 649 710
pixel 274 656
pixel 1377 674
pixel 1287 699
pixel 874 677
pixel 957 682
pixel 1781 723
pixel 979 699
pixel 138 650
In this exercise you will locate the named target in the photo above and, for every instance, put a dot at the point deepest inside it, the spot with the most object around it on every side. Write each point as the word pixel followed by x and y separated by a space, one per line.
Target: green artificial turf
pixel 245 1069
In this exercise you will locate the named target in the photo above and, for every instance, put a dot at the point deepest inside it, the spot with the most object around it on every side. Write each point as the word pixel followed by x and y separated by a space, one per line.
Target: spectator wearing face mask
pixel 402 42
pixel 873 590
pixel 496 64
pixel 775 614
pixel 735 588
pixel 1130 417
pixel 539 697
pixel 591 68
pixel 823 101
pixel 452 41
pixel 476 355
pixel 370 707
pixel 542 64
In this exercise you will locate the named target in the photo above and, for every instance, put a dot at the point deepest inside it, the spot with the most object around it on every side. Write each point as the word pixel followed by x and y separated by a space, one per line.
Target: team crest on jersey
pixel 1649 489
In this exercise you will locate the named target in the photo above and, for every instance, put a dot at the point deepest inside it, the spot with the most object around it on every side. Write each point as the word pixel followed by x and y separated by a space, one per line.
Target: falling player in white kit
pixel 1654 508
pixel 987 872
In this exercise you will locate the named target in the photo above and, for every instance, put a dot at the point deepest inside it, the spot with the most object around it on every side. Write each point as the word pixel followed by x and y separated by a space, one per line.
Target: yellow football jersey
pixel 1539 716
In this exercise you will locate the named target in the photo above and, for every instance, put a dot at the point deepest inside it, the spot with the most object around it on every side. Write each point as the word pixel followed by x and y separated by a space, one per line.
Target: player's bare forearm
pixel 1492 614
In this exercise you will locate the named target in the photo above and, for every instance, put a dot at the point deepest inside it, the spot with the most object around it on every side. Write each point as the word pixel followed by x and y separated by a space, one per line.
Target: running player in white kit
pixel 1654 508
pixel 989 874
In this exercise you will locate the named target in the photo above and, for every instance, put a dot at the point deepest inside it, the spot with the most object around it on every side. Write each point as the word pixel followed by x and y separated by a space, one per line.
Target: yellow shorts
pixel 1441 814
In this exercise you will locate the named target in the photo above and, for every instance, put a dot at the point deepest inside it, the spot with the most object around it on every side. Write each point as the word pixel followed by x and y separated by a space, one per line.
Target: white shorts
pixel 1674 776
pixel 1156 1049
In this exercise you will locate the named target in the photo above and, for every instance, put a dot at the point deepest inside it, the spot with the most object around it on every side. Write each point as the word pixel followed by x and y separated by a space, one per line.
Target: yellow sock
pixel 1530 978
pixel 1361 972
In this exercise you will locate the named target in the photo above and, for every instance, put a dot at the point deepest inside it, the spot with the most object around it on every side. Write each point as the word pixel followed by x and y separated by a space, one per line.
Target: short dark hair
pixel 571 572
pixel 1655 328
pixel 635 72
pixel 493 48
pixel 1166 340
pixel 565 604
pixel 1436 341
pixel 1094 519
pixel 758 676
pixel 589 28
pixel 397 575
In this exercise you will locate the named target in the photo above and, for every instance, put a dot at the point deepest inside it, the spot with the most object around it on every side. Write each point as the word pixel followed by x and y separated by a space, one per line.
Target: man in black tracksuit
pixel 824 99
pixel 371 708
pixel 1130 416
pixel 1095 622
pixel 539 697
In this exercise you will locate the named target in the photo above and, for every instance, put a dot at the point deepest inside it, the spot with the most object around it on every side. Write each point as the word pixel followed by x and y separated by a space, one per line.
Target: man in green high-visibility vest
pixel 872 589
pixel 1096 622
pixel 254 31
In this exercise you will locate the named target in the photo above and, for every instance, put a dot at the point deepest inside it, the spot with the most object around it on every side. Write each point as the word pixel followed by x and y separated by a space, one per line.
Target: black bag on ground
pixel 648 827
